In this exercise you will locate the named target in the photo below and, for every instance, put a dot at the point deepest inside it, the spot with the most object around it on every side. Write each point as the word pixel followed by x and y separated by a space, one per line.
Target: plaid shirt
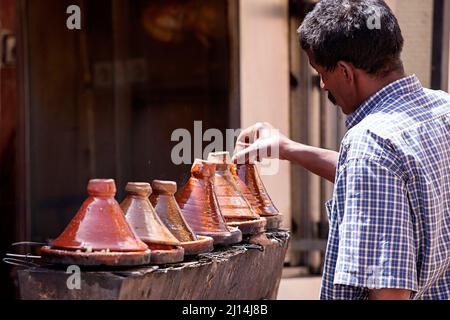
pixel 390 212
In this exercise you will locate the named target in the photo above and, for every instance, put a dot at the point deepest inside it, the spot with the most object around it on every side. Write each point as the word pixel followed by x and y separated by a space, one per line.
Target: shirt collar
pixel 402 86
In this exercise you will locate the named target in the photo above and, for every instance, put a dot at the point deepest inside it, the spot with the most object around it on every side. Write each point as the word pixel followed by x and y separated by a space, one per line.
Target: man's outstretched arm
pixel 263 137
pixel 319 161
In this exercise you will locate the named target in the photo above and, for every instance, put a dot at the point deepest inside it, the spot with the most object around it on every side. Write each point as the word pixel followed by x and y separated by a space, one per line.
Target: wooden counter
pixel 241 272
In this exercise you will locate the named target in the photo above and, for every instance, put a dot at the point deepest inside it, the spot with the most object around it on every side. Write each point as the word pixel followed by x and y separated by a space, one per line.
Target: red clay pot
pixel 167 208
pixel 244 189
pixel 141 216
pixel 248 173
pixel 169 212
pixel 99 224
pixel 200 207
pixel 233 204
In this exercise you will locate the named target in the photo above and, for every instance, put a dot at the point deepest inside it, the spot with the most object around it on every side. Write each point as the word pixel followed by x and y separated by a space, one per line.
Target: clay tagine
pixel 234 206
pixel 98 234
pixel 163 200
pixel 141 216
pixel 248 173
pixel 200 208
pixel 245 190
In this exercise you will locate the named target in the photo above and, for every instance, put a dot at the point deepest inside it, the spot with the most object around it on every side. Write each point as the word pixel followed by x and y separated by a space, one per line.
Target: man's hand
pixel 262 140
pixel 259 142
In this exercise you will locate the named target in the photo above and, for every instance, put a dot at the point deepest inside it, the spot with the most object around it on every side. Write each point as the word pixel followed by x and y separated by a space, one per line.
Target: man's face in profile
pixel 324 75
pixel 333 83
pixel 325 84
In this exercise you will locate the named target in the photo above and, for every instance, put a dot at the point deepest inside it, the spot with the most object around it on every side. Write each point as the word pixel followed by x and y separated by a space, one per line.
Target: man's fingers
pixel 240 146
pixel 253 133
pixel 246 135
pixel 252 144
pixel 247 155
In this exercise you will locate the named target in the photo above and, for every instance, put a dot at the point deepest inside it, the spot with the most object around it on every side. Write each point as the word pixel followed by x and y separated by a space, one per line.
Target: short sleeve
pixel 376 240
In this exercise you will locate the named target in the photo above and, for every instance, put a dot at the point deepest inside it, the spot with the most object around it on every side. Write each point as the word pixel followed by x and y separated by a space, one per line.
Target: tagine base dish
pixel 203 244
pixel 96 258
pixel 167 256
pixel 224 239
pixel 249 227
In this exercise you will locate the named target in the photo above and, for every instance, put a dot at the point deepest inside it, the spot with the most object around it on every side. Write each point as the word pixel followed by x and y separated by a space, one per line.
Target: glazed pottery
pixel 200 208
pixel 147 225
pixel 234 206
pixel 231 200
pixel 99 233
pixel 249 174
pixel 244 189
pixel 163 200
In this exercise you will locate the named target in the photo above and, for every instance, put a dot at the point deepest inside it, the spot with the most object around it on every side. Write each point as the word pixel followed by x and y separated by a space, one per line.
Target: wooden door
pixel 103 101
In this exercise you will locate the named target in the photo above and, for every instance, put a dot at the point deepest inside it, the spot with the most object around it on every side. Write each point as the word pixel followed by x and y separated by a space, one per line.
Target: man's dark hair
pixel 362 32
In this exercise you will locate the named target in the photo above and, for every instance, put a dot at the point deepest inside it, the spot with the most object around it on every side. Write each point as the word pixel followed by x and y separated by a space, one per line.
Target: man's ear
pixel 347 71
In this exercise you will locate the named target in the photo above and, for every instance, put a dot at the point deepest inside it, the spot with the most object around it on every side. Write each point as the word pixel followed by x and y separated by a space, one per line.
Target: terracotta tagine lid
pixel 233 204
pixel 99 224
pixel 200 207
pixel 248 173
pixel 163 200
pixel 245 190
pixel 142 217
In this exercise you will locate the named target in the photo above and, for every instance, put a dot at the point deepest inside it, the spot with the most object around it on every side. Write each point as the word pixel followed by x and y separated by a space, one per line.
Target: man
pixel 390 213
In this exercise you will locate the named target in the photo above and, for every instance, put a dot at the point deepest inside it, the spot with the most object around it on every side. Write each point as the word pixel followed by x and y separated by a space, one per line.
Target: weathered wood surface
pixel 242 272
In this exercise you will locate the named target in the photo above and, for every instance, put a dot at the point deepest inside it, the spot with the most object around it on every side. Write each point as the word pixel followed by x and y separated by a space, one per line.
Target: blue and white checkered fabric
pixel 390 212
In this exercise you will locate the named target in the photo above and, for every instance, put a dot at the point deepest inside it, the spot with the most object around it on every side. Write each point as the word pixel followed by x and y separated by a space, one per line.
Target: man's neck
pixel 370 85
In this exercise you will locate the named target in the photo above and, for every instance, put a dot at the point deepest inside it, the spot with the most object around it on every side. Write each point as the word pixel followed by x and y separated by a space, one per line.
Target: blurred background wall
pixel 264 65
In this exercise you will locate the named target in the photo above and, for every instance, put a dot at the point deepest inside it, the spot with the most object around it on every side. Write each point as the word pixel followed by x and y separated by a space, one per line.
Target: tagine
pixel 142 217
pixel 163 200
pixel 200 207
pixel 236 209
pixel 98 234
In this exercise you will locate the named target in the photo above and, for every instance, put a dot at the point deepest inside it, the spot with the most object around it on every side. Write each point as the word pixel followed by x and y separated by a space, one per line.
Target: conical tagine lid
pixel 142 217
pixel 232 202
pixel 198 202
pixel 245 190
pixel 99 224
pixel 163 200
pixel 248 173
